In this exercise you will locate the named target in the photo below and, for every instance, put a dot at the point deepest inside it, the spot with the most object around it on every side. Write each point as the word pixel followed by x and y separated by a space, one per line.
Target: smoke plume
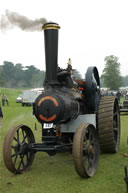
pixel 13 19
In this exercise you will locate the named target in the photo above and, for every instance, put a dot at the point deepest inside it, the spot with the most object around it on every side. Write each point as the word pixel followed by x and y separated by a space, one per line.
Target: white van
pixel 29 96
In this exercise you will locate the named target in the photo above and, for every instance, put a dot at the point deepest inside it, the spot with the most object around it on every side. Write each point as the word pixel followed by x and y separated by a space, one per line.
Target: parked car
pixel 19 99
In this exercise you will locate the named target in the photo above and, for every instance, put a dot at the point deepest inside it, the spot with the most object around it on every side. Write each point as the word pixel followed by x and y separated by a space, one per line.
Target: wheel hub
pixel 90 149
pixel 20 148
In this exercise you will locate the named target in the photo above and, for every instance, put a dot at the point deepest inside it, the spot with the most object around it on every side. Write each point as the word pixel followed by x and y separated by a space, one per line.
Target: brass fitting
pixel 50 26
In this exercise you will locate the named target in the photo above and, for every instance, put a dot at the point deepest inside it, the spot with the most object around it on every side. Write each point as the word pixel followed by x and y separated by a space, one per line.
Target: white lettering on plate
pixel 48 125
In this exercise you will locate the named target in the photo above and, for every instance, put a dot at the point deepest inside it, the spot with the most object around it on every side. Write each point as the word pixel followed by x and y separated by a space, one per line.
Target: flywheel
pixel 92 88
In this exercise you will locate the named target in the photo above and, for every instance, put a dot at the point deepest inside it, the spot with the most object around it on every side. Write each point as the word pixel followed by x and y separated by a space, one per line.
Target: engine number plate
pixel 48 125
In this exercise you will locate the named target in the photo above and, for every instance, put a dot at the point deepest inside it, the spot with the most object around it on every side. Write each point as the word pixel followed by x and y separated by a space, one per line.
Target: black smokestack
pixel 13 19
pixel 51 51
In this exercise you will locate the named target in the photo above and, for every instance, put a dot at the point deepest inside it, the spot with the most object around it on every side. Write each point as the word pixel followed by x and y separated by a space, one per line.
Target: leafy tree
pixel 2 80
pixel 38 79
pixel 111 73
pixel 102 81
pixel 29 72
pixel 8 73
pixel 125 80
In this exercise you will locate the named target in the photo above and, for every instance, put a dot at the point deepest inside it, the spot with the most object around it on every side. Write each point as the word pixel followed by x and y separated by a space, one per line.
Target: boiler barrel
pixel 54 107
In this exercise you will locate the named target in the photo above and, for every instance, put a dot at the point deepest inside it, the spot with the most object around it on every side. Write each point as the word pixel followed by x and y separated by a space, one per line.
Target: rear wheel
pixel 85 150
pixel 109 124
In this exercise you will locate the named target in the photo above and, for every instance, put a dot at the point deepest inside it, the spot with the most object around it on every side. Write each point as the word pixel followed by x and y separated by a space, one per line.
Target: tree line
pixel 18 76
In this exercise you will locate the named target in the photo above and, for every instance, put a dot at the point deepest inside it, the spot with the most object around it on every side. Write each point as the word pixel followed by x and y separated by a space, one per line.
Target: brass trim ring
pixel 51 26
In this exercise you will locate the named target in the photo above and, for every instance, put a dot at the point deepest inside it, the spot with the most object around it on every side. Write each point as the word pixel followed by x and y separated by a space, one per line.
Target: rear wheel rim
pixel 109 124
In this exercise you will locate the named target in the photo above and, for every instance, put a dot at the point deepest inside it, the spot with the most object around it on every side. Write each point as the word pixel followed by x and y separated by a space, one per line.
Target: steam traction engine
pixel 74 118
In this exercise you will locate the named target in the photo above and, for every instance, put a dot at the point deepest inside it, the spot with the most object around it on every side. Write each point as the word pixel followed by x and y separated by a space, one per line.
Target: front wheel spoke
pixel 15 160
pixel 23 133
pixel 21 163
pixel 91 142
pixel 85 146
pixel 24 138
pixel 27 156
pixel 90 136
pixel 85 149
pixel 15 139
pixel 90 163
pixel 18 168
pixel 18 134
pixel 85 159
pixel 13 155
pixel 22 160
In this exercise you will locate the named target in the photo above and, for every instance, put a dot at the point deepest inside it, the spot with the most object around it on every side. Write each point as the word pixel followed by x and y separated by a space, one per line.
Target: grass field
pixel 57 174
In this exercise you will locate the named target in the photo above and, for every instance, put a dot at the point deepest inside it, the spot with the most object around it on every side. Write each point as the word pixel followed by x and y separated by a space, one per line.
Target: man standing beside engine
pixel 4 99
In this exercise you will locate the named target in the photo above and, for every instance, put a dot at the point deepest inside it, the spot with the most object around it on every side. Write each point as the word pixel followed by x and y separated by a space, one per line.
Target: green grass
pixel 57 174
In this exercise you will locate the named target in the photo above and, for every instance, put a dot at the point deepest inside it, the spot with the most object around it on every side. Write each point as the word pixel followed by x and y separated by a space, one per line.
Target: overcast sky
pixel 90 31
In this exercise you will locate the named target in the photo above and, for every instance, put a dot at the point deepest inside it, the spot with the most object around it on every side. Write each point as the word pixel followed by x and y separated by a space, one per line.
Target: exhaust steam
pixel 13 19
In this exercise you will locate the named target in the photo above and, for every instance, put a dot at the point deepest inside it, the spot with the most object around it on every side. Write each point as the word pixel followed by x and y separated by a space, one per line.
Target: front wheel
pixel 85 150
pixel 15 154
